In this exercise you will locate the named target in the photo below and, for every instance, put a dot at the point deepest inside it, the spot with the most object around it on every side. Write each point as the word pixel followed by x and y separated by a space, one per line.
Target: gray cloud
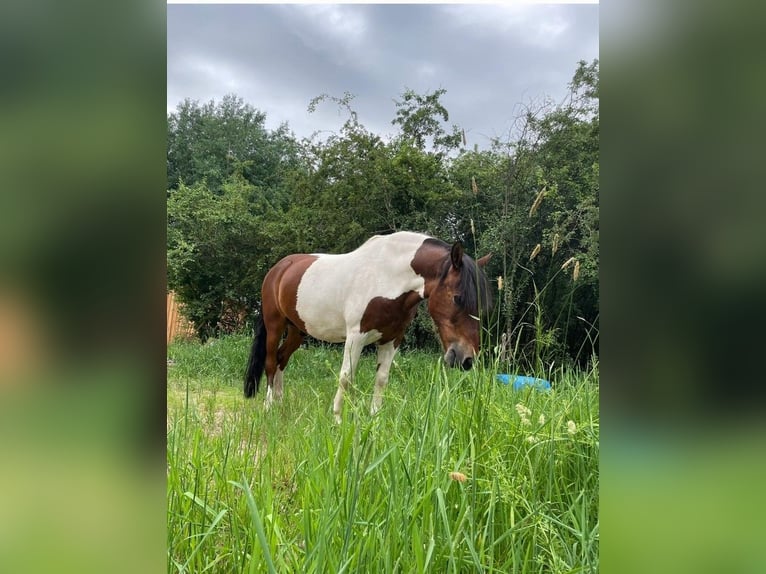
pixel 489 58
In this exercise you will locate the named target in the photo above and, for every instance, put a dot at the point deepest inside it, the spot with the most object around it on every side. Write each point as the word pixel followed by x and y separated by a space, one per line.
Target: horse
pixel 369 295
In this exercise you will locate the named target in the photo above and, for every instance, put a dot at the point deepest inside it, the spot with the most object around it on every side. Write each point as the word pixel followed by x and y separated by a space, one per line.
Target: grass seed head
pixel 568 262
pixel 538 200
pixel 535 251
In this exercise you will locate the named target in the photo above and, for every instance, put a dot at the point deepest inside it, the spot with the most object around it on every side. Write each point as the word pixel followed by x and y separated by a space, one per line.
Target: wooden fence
pixel 177 324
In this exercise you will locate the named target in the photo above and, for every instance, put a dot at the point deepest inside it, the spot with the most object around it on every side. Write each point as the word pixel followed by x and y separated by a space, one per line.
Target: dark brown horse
pixel 368 296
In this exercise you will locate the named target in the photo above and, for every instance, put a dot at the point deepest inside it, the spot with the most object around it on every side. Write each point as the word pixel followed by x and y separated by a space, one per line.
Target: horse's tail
pixel 257 361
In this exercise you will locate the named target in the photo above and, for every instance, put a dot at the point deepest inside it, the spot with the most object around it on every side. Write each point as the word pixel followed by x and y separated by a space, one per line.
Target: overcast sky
pixel 277 57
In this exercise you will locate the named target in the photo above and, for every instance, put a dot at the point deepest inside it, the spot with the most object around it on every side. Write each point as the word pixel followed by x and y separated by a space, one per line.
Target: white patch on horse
pixel 335 289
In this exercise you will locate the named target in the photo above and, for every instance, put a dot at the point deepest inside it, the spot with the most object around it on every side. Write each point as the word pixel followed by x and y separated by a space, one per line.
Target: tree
pixel 362 185
pixel 551 200
pixel 229 180
pixel 217 252
pixel 420 119
pixel 214 141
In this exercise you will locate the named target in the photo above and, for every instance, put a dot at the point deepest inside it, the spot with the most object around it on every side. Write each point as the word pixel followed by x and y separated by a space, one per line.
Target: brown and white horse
pixel 368 296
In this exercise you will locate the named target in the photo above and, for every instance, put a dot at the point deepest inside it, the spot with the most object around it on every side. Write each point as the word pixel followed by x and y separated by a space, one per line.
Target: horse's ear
pixel 483 261
pixel 457 255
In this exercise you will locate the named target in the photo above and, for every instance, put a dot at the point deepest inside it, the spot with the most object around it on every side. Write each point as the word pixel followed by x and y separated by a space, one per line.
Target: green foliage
pixel 339 202
pixel 362 185
pixel 214 142
pixel 551 199
pixel 228 181
pixel 241 197
pixel 217 250
pixel 288 490
pixel 420 118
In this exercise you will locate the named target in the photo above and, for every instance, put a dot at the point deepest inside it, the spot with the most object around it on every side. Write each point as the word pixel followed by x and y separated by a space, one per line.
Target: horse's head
pixel 456 303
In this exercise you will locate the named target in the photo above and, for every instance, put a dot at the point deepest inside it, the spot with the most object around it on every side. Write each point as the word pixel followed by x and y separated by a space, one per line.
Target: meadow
pixel 456 473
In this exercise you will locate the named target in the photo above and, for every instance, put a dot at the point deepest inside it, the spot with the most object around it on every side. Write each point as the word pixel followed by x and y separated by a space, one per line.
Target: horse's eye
pixel 458 300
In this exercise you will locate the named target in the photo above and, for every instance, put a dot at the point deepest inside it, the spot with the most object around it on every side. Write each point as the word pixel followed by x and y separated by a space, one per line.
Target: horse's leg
pixel 351 354
pixel 386 354
pixel 275 327
pixel 289 345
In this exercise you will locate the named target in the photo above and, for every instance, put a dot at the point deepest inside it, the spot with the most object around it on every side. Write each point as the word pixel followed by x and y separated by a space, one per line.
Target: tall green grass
pixel 288 490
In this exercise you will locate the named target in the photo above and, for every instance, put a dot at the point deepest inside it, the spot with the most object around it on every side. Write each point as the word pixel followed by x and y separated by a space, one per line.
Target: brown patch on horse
pixel 390 316
pixel 429 260
pixel 286 277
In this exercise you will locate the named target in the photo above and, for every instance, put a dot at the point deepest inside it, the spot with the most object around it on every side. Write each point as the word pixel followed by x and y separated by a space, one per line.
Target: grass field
pixel 457 473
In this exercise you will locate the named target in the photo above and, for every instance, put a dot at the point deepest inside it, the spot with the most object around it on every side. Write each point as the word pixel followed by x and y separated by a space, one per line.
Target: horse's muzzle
pixel 454 358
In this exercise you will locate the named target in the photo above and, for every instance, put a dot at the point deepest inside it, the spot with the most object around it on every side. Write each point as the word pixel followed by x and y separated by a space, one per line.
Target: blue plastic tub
pixel 519 382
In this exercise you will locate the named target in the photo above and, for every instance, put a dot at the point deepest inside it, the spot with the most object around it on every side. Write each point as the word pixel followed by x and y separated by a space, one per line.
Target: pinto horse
pixel 369 295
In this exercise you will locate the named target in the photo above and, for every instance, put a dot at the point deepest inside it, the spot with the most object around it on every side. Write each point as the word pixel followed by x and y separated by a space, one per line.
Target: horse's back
pixel 333 291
